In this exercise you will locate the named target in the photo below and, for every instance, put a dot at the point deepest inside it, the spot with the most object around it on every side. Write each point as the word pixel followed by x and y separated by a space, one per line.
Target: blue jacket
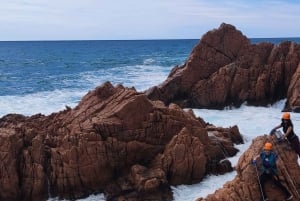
pixel 269 163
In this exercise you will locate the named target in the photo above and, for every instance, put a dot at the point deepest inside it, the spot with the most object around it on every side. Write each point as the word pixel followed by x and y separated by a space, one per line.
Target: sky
pixel 144 19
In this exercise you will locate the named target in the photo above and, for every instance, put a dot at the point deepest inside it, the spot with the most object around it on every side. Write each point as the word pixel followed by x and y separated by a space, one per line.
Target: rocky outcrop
pixel 225 69
pixel 293 100
pixel 245 185
pixel 115 141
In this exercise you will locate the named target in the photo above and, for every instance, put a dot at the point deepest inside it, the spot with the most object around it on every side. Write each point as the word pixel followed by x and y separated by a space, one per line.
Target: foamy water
pixel 46 102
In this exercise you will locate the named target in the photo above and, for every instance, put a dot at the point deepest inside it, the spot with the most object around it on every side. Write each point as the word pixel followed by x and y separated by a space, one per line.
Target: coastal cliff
pixel 225 69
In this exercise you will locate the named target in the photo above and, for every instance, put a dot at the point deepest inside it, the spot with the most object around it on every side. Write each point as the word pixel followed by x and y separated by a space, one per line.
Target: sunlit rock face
pixel 115 141
pixel 225 69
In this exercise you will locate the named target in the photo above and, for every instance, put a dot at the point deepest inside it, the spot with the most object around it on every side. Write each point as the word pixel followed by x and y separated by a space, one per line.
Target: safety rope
pixel 260 187
pixel 287 173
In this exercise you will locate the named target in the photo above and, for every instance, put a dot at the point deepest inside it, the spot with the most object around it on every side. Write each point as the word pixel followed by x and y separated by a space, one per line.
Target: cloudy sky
pixel 144 19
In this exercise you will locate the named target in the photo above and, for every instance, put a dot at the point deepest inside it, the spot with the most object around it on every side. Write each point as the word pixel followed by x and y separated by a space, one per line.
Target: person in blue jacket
pixel 269 171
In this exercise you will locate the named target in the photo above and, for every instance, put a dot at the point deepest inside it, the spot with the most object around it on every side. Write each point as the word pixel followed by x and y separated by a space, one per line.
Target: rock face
pixel 245 185
pixel 225 69
pixel 115 141
pixel 294 92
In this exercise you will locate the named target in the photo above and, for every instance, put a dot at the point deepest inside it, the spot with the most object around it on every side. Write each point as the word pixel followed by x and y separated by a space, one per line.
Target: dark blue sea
pixel 45 76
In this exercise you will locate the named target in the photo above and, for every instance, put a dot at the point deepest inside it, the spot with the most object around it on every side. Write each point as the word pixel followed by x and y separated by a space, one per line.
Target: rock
pixel 141 184
pixel 245 185
pixel 293 95
pixel 183 159
pixel 115 141
pixel 225 69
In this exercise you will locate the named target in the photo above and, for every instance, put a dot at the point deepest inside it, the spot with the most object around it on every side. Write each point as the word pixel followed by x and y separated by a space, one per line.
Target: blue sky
pixel 144 19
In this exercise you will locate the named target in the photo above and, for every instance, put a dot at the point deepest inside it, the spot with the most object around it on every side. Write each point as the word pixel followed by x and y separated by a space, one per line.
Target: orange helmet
pixel 268 146
pixel 286 115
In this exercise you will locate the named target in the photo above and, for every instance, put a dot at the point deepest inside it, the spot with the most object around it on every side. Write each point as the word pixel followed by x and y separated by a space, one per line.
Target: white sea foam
pixel 139 76
pixel 99 197
pixel 148 61
pixel 202 189
pixel 42 102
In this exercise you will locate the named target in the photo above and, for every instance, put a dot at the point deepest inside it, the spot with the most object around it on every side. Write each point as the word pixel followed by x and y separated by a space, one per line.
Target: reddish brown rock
pixel 141 184
pixel 115 141
pixel 225 69
pixel 245 185
pixel 293 95
pixel 183 159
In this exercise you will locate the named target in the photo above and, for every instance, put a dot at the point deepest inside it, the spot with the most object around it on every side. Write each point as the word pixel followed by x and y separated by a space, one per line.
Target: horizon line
pixel 157 39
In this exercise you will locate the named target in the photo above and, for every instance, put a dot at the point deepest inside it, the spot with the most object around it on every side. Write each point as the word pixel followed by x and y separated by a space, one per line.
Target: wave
pixel 41 102
pixel 46 102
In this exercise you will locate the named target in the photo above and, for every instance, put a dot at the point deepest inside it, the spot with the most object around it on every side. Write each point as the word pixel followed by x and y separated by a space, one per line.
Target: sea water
pixel 45 76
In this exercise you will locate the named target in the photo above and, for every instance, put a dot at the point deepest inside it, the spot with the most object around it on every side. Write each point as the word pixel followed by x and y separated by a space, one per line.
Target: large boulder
pixel 115 141
pixel 225 69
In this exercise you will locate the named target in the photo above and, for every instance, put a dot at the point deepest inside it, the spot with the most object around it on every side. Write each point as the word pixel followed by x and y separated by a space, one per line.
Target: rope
pixel 287 173
pixel 260 187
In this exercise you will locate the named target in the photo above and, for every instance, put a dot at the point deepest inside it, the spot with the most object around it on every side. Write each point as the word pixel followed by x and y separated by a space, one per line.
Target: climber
pixel 289 134
pixel 269 171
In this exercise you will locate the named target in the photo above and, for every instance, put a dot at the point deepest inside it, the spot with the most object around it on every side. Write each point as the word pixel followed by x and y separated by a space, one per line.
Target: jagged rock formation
pixel 293 100
pixel 115 141
pixel 245 185
pixel 225 69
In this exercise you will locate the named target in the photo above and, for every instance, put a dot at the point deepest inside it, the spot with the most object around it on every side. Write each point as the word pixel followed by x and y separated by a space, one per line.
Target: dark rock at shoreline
pixel 225 69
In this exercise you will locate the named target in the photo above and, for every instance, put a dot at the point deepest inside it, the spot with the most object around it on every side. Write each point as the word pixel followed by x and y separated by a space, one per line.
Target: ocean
pixel 45 76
